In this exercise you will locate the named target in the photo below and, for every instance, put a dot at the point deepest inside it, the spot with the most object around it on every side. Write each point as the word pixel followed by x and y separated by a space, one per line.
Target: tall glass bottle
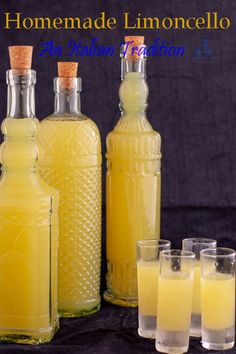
pixel 71 162
pixel 133 179
pixel 28 218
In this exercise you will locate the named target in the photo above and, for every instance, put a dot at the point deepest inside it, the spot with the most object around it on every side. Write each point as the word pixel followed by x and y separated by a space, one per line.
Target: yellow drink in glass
pixel 218 298
pixel 195 245
pixel 148 274
pixel 148 252
pixel 174 302
pixel 133 183
pixel 218 301
pixel 28 241
pixel 28 218
pixel 71 162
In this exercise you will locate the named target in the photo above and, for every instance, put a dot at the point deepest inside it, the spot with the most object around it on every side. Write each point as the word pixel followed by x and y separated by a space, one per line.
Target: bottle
pixel 133 179
pixel 71 162
pixel 28 218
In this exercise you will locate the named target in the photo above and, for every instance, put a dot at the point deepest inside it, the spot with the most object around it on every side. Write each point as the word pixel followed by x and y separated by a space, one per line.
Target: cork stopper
pixel 137 41
pixel 20 57
pixel 67 71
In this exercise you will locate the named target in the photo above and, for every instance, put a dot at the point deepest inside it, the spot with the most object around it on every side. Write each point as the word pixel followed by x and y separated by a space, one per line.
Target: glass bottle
pixel 132 180
pixel 28 224
pixel 71 162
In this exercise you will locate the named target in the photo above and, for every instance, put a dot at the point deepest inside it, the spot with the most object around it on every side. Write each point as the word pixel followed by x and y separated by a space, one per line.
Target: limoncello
pixel 218 301
pixel 196 245
pixel 174 302
pixel 71 162
pixel 133 183
pixel 218 298
pixel 148 275
pixel 28 219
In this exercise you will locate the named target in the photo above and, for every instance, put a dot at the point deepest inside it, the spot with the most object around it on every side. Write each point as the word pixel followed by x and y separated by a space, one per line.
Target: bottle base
pixel 195 328
pixel 32 337
pixel 172 341
pixel 170 350
pixel 146 333
pixel 195 333
pixel 218 339
pixel 66 313
pixel 216 346
pixel 119 301
pixel 147 326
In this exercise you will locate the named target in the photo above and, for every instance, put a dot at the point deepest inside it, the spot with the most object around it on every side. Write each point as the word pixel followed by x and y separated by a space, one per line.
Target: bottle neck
pixel 133 89
pixel 133 59
pixel 129 66
pixel 134 92
pixel 67 96
pixel 19 152
pixel 21 94
pixel 67 102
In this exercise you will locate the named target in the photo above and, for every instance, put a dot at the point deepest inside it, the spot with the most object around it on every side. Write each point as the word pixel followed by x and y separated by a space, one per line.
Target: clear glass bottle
pixel 28 225
pixel 71 162
pixel 132 182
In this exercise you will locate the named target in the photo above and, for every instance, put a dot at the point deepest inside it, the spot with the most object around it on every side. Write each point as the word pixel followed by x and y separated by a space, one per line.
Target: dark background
pixel 192 104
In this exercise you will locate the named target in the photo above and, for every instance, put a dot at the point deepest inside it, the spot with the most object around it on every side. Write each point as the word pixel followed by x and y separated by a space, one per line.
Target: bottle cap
pixel 136 41
pixel 67 71
pixel 20 56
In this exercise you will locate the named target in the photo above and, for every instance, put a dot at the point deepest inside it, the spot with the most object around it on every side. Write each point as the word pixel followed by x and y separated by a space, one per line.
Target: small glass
pixel 174 301
pixel 148 273
pixel 196 245
pixel 218 298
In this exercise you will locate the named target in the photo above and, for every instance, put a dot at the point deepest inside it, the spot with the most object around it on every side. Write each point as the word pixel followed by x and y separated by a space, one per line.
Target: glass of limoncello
pixel 174 301
pixel 218 298
pixel 196 245
pixel 148 273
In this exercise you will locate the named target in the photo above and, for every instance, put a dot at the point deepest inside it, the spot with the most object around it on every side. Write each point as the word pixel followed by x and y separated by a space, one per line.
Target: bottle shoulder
pixel 49 190
pixel 137 142
pixel 20 190
pixel 132 125
pixel 19 127
pixel 57 135
pixel 69 121
pixel 66 117
pixel 150 137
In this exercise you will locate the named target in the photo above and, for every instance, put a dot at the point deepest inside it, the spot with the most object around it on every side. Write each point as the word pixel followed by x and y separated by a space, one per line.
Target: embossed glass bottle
pixel 28 223
pixel 72 163
pixel 133 181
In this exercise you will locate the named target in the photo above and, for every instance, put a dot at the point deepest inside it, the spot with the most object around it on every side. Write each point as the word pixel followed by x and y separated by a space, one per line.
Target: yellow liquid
pixel 196 307
pixel 218 301
pixel 28 241
pixel 72 163
pixel 148 274
pixel 174 302
pixel 133 192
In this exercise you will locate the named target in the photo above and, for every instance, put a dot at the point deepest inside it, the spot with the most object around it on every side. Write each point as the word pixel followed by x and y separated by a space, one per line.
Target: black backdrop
pixel 192 102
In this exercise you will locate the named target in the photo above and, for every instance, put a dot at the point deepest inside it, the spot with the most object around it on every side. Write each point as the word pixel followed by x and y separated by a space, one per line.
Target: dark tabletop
pixel 113 330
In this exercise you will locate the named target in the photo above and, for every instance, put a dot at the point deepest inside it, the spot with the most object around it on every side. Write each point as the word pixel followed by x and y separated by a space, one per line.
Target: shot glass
pixel 196 245
pixel 148 273
pixel 174 302
pixel 218 298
